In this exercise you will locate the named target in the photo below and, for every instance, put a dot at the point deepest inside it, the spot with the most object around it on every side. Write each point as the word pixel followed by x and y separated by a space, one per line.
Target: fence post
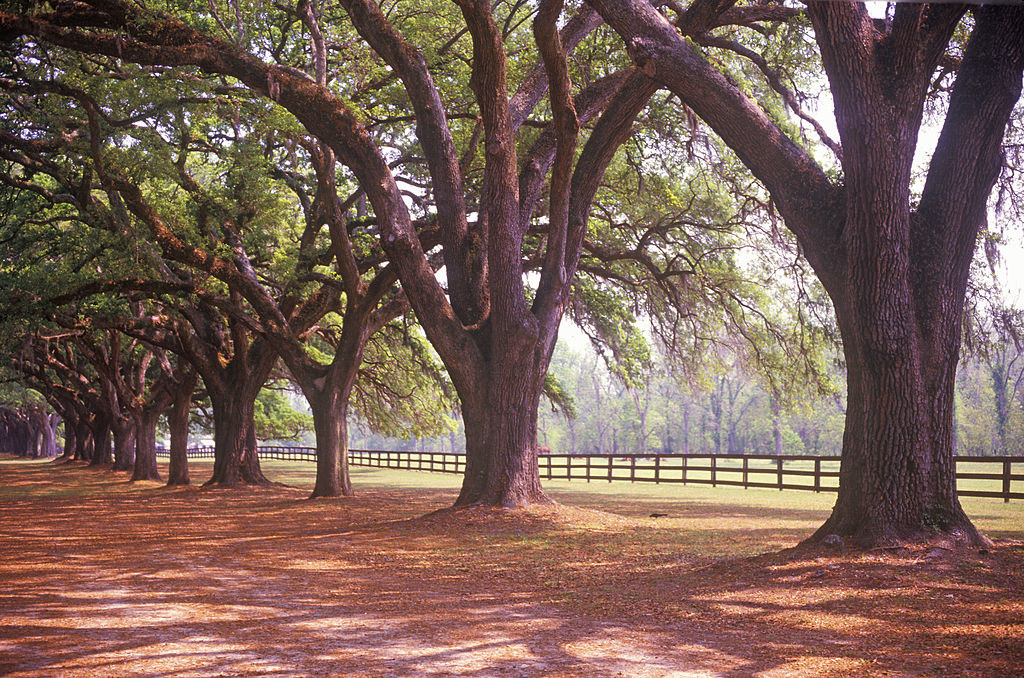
pixel 746 471
pixel 632 468
pixel 588 468
pixel 1006 481
pixel 657 469
pixel 685 459
pixel 611 465
pixel 568 467
pixel 778 466
pixel 714 471
pixel 817 475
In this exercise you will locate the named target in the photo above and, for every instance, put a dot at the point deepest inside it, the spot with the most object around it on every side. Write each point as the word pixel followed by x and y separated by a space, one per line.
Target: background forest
pixel 730 410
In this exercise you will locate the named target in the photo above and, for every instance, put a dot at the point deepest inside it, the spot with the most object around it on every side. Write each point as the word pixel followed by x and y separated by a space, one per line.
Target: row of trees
pixel 729 411
pixel 263 184
pixel 29 430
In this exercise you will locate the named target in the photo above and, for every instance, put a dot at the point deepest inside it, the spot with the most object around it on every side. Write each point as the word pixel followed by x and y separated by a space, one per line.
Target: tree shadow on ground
pixel 163 582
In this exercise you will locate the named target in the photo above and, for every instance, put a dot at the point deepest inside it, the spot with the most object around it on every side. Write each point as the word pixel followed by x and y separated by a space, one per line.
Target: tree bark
pixel 330 422
pixel 901 303
pixel 181 409
pixel 328 390
pixel 46 444
pixel 896 276
pixel 897 480
pixel 101 452
pixel 234 439
pixel 124 432
pixel 84 440
pixel 50 436
pixel 232 389
pixel 501 430
pixel 145 467
pixel 35 450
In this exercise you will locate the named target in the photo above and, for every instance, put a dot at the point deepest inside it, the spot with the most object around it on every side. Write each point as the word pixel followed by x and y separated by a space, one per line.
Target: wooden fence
pixel 1000 477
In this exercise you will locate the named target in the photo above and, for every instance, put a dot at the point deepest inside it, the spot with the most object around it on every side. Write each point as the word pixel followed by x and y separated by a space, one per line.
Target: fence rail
pixel 999 477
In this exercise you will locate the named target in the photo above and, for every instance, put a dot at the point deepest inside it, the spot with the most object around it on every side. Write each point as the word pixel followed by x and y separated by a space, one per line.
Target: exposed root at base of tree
pixel 330 495
pixel 511 503
pixel 240 484
pixel 954 539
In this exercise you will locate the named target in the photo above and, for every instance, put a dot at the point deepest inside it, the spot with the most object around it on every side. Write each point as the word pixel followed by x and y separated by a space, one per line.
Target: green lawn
pixel 993 516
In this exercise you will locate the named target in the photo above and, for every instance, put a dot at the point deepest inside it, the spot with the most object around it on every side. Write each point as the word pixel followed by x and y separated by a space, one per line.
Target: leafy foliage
pixel 276 417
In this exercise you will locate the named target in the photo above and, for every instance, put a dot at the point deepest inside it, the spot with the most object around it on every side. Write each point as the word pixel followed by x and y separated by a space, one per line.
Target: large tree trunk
pixel 33 439
pixel 145 446
pixel 84 440
pixel 900 298
pixel 101 441
pixel 897 481
pixel 897 277
pixel 45 438
pixel 897 478
pixel 27 438
pixel 124 434
pixel 501 432
pixel 327 390
pixel 330 413
pixel 177 472
pixel 234 439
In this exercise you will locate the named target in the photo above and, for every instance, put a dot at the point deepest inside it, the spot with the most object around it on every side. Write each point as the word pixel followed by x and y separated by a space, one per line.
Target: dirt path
pixel 99 577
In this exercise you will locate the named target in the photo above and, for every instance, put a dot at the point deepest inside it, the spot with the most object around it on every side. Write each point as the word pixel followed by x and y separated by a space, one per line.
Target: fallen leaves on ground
pixel 104 577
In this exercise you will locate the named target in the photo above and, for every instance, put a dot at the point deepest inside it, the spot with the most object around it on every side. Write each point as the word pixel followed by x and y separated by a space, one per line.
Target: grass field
pixel 1000 520
pixel 106 577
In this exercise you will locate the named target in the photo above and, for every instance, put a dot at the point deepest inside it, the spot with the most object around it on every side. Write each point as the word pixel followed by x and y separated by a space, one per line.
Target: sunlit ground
pixel 99 576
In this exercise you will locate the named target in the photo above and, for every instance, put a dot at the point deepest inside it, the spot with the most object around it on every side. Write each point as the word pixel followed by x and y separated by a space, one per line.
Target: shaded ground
pixel 102 577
